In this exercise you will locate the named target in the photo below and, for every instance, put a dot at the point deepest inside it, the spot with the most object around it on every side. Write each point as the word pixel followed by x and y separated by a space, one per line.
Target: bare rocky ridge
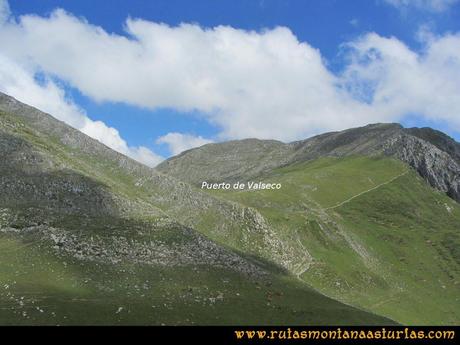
pixel 434 155
pixel 438 139
pixel 437 167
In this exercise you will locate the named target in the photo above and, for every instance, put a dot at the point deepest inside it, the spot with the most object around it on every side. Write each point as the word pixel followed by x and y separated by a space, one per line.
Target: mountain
pixel 89 236
pixel 434 155
pixel 375 210
pixel 364 229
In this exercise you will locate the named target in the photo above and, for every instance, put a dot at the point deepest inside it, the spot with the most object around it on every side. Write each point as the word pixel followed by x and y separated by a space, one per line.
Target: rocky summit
pixel 363 229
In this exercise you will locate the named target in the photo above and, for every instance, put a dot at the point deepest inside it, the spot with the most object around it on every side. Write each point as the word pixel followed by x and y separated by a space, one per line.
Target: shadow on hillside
pixel 36 194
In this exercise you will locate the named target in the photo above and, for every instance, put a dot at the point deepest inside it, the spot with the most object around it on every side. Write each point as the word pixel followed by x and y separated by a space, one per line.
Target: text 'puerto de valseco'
pixel 250 185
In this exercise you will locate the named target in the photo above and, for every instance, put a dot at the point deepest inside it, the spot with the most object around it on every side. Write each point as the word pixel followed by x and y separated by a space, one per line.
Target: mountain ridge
pixel 163 191
pixel 89 236
pixel 86 223
pixel 352 197
pixel 434 155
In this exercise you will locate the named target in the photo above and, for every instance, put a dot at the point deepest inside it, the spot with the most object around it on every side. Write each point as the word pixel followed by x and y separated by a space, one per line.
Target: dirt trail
pixel 366 191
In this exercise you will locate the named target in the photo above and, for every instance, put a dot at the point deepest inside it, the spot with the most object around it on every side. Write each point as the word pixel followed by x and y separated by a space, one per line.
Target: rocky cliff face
pixel 434 155
pixel 436 166
pixel 438 139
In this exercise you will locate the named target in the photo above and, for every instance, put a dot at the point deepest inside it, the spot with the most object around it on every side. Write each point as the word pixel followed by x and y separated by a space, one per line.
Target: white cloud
pixel 430 5
pixel 405 82
pixel 264 84
pixel 144 155
pixel 20 83
pixel 4 11
pixel 179 142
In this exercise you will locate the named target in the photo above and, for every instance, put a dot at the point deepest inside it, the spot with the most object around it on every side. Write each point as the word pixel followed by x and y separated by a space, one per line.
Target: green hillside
pixel 377 235
pixel 39 288
pixel 88 236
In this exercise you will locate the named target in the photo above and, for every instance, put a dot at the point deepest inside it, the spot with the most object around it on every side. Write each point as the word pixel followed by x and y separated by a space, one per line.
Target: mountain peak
pixel 433 154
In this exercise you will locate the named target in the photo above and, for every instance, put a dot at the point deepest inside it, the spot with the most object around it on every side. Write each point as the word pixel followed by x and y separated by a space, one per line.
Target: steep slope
pixel 435 156
pixel 227 161
pixel 439 168
pixel 439 139
pixel 375 234
pixel 88 236
pixel 144 192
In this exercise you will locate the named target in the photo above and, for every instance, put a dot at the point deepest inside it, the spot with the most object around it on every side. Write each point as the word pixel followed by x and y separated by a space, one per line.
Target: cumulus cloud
pixel 251 84
pixel 400 81
pixel 179 142
pixel 430 5
pixel 20 83
pixel 264 84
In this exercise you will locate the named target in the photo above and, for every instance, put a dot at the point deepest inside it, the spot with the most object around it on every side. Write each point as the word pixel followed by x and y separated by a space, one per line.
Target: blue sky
pixel 362 46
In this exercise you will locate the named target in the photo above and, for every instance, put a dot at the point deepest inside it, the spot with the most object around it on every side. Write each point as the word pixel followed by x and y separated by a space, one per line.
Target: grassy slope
pixel 40 286
pixel 392 250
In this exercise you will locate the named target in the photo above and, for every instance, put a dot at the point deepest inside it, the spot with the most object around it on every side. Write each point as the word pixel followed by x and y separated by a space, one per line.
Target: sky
pixel 151 79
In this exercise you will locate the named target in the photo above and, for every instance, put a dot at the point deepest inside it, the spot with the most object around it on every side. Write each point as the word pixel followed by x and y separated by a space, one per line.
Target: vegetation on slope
pixel 89 239
pixel 82 220
pixel 377 236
